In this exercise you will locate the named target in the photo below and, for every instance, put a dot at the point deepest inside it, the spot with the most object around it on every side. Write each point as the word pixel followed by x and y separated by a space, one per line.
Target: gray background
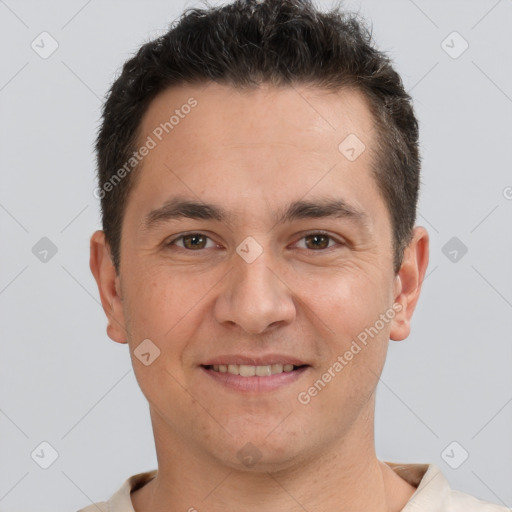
pixel 64 382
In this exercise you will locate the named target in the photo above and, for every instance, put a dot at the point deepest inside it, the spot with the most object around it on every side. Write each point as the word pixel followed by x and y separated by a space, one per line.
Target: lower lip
pixel 255 383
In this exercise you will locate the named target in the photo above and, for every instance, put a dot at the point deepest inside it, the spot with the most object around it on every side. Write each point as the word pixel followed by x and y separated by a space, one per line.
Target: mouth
pixel 245 370
pixel 253 379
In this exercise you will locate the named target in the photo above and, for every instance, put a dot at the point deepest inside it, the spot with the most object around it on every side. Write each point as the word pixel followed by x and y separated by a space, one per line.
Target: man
pixel 258 175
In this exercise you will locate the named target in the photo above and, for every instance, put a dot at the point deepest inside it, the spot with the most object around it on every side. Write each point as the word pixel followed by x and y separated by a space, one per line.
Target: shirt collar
pixel 432 488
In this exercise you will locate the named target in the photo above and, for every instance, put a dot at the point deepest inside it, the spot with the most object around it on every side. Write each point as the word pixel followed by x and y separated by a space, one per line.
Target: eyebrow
pixel 179 207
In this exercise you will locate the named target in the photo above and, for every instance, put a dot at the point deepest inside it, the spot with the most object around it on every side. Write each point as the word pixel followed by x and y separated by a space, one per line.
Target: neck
pixel 344 477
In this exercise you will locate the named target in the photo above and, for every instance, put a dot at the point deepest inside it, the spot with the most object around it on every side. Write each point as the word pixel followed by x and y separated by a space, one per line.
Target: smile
pixel 254 379
pixel 245 370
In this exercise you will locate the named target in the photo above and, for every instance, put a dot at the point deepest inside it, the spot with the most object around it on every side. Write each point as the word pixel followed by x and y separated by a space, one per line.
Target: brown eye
pixel 194 241
pixel 191 241
pixel 317 241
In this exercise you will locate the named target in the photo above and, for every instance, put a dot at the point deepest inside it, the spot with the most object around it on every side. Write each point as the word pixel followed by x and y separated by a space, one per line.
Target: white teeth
pixel 277 368
pixel 233 369
pixel 245 370
pixel 263 371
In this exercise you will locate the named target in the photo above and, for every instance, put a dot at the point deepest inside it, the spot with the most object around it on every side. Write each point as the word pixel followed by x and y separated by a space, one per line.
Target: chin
pixel 257 453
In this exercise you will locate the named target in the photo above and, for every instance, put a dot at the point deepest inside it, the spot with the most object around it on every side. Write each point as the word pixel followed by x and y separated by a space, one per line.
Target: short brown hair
pixel 247 43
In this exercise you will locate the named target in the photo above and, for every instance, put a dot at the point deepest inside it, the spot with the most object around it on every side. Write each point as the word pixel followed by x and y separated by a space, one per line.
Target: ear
pixel 109 287
pixel 408 283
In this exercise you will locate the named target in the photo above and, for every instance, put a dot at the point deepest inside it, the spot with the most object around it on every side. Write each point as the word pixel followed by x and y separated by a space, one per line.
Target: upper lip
pixel 254 360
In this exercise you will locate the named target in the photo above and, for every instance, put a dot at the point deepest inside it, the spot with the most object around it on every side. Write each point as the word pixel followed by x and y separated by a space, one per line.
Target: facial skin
pixel 253 153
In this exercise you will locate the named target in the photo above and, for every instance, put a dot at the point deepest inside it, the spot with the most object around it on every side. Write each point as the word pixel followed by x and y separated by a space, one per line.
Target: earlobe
pixel 408 282
pixel 108 284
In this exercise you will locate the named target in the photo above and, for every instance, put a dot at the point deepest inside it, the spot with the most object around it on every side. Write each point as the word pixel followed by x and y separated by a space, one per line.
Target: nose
pixel 255 296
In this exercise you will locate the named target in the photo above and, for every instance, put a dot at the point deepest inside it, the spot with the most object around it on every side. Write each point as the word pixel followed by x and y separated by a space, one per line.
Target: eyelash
pixel 180 237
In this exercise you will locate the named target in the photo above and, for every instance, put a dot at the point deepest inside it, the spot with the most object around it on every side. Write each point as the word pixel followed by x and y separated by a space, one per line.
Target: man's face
pixel 257 286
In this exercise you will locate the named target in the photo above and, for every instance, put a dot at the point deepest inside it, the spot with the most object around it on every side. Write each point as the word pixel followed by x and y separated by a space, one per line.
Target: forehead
pixel 302 117
pixel 213 141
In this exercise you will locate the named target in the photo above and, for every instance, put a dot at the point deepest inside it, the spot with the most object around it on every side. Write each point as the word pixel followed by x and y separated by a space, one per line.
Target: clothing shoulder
pixel 433 492
pixel 120 501
pixel 462 502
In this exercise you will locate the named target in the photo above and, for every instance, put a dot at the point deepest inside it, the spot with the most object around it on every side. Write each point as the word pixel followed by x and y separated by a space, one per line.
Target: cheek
pixel 349 301
pixel 160 300
pixel 357 336
pixel 167 308
pixel 164 310
pixel 154 310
